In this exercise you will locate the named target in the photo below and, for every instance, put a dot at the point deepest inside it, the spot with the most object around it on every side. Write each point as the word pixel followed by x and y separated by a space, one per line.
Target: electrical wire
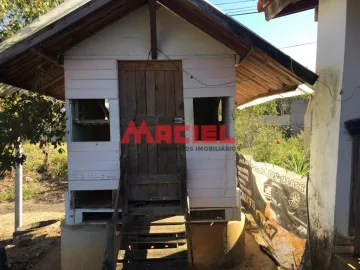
pixel 235 2
pixel 250 78
pixel 192 77
pixel 298 45
pixel 328 87
pixel 308 223
pixel 240 14
pixel 215 85
pixel 334 98
pixel 238 9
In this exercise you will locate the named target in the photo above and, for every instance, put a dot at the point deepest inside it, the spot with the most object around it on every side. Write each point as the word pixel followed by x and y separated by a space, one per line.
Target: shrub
pixel 269 143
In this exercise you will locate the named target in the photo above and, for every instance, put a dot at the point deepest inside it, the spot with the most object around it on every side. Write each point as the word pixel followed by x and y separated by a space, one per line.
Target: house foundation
pixel 217 245
pixel 213 245
pixel 83 246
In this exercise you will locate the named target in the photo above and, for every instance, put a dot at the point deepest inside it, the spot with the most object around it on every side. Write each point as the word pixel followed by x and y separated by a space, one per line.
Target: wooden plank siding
pixel 211 175
pixel 93 165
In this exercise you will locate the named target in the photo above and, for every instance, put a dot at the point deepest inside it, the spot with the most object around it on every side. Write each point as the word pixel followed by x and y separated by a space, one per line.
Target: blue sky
pixel 287 31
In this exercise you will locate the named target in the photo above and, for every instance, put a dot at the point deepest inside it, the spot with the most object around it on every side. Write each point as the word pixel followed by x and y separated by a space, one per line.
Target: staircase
pixel 153 236
pixel 153 230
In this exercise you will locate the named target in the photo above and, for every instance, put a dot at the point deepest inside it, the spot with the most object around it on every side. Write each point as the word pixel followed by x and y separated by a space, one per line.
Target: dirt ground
pixel 43 251
pixel 255 259
pixel 38 243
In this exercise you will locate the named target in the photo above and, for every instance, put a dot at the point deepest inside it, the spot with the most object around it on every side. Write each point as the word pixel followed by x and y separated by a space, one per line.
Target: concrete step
pixel 155 229
pixel 148 210
pixel 166 254
pixel 166 240
pixel 155 220
pixel 163 265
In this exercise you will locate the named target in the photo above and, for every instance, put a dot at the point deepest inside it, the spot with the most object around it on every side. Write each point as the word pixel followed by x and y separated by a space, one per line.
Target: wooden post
pixel 152 8
pixel 18 190
pixel 111 256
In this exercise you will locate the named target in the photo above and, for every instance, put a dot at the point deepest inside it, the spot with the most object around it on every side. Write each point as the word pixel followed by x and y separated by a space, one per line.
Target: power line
pixel 235 2
pixel 238 9
pixel 297 45
pixel 240 14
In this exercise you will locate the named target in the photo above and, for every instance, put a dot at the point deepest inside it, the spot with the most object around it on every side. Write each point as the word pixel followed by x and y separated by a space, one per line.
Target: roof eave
pixel 228 31
pixel 282 8
pixel 258 42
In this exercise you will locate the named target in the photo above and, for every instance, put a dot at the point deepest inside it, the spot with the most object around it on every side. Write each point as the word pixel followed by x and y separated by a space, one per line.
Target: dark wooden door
pixel 152 91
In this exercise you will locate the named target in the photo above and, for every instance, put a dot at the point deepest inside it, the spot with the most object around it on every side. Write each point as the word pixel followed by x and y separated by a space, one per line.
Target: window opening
pixel 212 111
pixel 91 120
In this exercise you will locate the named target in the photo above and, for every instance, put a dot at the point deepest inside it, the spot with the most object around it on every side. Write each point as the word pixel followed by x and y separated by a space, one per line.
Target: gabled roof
pixel 28 60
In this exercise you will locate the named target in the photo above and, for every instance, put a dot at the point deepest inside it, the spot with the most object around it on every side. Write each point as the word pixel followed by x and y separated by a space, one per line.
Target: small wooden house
pixel 165 63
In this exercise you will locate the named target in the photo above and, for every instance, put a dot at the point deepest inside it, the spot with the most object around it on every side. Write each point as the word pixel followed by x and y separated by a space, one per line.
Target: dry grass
pixel 45 179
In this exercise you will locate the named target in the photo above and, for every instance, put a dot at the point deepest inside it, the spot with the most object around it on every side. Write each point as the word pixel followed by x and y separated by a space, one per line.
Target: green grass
pixel 36 165
pixel 30 190
pixel 39 174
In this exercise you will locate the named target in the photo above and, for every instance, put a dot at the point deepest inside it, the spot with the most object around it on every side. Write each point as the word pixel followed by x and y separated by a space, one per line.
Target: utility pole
pixel 18 189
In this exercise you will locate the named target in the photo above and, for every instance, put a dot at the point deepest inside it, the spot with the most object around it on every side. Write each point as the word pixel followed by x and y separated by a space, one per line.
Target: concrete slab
pixel 83 246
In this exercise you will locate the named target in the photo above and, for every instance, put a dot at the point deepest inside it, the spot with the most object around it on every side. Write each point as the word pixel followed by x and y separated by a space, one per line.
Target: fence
pixel 276 199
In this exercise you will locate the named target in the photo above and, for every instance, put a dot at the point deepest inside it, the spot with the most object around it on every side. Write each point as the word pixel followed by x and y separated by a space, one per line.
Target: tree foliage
pixel 267 108
pixel 269 143
pixel 15 14
pixel 278 106
pixel 28 116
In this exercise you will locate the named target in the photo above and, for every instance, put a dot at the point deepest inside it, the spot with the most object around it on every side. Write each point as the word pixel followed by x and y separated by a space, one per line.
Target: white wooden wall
pixel 93 165
pixel 90 70
pixel 211 174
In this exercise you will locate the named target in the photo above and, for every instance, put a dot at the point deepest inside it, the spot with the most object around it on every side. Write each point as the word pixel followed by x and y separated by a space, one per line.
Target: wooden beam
pixel 275 7
pixel 269 93
pixel 46 56
pixel 316 14
pixel 279 8
pixel 153 32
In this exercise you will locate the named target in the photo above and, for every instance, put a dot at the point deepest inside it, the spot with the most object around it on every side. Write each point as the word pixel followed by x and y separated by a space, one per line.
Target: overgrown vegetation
pixel 45 175
pixel 269 143
pixel 27 117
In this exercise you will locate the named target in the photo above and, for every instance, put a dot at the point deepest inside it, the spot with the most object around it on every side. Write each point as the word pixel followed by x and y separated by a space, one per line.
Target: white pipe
pixel 18 190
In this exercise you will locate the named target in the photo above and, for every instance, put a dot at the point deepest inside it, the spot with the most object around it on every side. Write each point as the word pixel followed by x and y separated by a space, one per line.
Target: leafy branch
pixel 15 14
pixel 29 117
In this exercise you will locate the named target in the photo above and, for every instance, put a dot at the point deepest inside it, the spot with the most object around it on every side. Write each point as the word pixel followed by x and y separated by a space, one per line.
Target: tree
pixel 27 116
pixel 15 14
pixel 267 108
